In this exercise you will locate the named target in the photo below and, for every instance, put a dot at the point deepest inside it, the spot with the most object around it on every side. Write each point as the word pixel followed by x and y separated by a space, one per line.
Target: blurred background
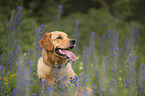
pixel 97 16
pixel 110 37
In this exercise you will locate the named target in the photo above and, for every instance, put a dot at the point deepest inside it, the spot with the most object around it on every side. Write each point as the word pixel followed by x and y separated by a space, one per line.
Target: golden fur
pixel 46 63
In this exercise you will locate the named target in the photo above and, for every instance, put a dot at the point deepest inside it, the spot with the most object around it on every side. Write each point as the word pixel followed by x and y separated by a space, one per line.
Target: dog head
pixel 59 43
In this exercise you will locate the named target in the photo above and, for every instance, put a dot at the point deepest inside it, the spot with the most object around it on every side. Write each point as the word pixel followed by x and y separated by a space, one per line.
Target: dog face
pixel 59 43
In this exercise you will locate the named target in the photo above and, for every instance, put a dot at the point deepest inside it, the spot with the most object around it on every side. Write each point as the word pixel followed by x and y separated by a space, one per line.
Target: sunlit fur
pixel 51 58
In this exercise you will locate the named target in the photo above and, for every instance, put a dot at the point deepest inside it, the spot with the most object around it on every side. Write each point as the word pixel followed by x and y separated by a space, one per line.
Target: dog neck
pixel 52 60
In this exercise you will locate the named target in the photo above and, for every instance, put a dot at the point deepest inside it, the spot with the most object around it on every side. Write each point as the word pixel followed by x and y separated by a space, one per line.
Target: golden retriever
pixel 56 50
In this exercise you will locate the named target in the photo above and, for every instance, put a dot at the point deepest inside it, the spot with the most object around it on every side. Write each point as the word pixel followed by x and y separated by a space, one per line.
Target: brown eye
pixel 59 37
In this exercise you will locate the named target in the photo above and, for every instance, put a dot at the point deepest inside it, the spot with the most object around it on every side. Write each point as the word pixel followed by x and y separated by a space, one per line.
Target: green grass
pixel 110 59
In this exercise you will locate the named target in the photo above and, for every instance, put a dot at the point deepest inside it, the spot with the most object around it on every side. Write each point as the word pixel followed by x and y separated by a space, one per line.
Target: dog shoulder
pixel 42 69
pixel 70 70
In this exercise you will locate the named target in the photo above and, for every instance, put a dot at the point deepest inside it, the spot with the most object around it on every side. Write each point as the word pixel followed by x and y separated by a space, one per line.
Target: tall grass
pixel 108 70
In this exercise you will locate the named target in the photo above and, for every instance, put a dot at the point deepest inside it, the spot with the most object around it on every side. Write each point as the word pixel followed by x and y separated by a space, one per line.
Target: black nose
pixel 72 41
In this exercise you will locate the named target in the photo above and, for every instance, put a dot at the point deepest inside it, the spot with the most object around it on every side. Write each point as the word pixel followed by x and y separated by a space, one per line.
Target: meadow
pixel 108 63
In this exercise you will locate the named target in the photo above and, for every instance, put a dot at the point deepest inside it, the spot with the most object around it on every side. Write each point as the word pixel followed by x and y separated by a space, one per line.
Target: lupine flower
pixel 131 61
pixel 38 35
pixel 14 33
pixel 134 34
pixel 141 81
pixel 18 29
pixel 42 31
pixel 131 74
pixel 2 88
pixel 84 85
pixel 92 42
pixel 92 47
pixel 85 58
pixel 102 46
pixel 76 33
pixel 89 56
pixel 23 79
pixel 58 25
pixel 42 86
pixel 59 7
pixel 10 60
pixel 74 81
pixel 10 33
pixel 18 20
pixel 114 44
pixel 36 38
pixel 2 85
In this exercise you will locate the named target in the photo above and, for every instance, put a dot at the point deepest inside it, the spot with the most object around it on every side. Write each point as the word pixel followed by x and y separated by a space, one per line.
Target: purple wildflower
pixel 57 82
pixel 38 35
pixel 131 61
pixel 74 81
pixel 18 19
pixel 17 25
pixel 92 37
pixel 60 7
pixel 85 58
pixel 141 80
pixel 114 37
pixel 10 61
pixel 102 46
pixel 23 79
pixel 76 33
pixel 134 34
pixel 90 55
pixel 2 88
pixel 14 31
pixel 58 25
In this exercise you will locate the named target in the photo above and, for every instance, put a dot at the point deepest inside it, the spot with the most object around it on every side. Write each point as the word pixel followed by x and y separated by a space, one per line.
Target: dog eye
pixel 59 37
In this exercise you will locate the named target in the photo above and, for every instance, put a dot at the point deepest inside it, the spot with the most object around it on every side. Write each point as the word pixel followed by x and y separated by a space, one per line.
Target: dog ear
pixel 46 42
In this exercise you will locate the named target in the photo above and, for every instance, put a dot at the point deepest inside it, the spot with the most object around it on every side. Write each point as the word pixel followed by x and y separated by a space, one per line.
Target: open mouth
pixel 66 53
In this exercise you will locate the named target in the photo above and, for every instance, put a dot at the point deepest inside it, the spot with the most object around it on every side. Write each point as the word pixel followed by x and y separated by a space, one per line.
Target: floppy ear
pixel 46 42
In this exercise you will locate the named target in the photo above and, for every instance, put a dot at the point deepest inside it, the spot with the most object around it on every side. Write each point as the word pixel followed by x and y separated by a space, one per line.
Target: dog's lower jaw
pixel 51 58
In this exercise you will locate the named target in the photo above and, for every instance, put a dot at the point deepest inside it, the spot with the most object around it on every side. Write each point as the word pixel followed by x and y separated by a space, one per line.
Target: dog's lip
pixel 57 48
pixel 71 47
pixel 57 51
pixel 66 53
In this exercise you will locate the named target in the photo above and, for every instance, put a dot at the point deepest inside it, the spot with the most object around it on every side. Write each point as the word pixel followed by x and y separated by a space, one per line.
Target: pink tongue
pixel 69 54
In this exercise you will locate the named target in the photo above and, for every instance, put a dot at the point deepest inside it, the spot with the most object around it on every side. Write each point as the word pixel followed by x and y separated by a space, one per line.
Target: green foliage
pixel 102 65
pixel 44 12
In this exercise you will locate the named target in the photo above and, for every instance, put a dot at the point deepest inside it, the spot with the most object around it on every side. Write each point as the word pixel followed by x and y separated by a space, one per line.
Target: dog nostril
pixel 72 41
